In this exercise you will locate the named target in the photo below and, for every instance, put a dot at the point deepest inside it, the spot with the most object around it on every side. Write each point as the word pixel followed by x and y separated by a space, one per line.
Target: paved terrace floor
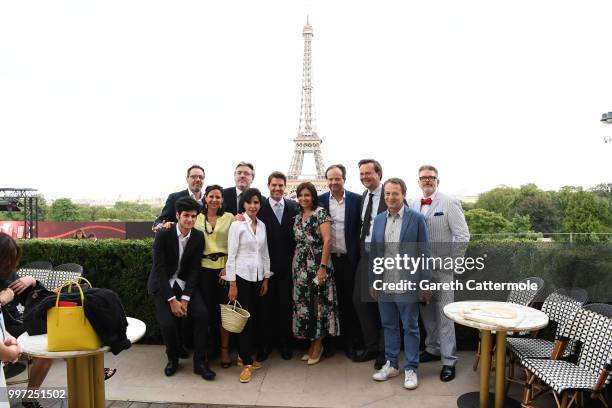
pixel 334 382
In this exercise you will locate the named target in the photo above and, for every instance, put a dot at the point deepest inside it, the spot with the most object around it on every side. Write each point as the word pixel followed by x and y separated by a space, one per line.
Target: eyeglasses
pixel 428 178
pixel 193 176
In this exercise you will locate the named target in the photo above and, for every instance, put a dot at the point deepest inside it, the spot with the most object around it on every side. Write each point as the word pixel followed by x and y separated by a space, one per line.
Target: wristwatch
pixel 323 266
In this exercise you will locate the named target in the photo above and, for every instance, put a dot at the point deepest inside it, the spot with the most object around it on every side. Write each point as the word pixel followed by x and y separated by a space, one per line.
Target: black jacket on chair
pixel 165 262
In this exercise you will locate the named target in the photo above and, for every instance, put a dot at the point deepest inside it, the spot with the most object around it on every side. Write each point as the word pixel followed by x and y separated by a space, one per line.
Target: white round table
pixel 527 319
pixel 85 369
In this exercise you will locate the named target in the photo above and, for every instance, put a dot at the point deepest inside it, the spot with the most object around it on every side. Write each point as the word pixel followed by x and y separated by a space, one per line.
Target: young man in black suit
pixel 278 214
pixel 173 283
pixel 244 173
pixel 195 182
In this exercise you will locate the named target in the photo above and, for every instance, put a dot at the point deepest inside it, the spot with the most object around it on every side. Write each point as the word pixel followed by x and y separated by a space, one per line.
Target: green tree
pixel 539 206
pixel 603 190
pixel 481 221
pixel 586 213
pixel 63 209
pixel 499 200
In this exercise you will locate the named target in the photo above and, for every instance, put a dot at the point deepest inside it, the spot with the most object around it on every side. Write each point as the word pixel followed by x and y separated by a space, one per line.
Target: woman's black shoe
pixel 171 367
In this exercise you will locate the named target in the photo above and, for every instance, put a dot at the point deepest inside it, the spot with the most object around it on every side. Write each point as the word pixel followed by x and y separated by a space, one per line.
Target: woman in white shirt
pixel 247 270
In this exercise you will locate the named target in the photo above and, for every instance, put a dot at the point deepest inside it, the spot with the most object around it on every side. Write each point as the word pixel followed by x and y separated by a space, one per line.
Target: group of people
pixel 302 269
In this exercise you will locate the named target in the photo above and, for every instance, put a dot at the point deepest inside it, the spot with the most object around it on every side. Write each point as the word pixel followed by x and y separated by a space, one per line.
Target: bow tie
pixel 426 201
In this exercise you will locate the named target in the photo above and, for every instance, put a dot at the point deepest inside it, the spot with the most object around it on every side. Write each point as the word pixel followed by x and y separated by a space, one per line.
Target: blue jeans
pixel 390 314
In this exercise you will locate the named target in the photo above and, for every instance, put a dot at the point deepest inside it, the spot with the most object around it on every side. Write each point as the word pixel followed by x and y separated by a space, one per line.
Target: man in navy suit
pixel 244 173
pixel 343 206
pixel 278 215
pixel 195 182
pixel 399 231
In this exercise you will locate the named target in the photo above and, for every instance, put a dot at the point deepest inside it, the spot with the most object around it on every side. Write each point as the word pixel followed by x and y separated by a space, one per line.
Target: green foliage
pixel 540 208
pixel 120 265
pixel 481 221
pixel 63 209
pixel 586 213
pixel 500 200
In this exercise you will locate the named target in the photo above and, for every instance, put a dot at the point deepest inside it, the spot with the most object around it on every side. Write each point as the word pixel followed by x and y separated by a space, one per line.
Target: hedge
pixel 124 265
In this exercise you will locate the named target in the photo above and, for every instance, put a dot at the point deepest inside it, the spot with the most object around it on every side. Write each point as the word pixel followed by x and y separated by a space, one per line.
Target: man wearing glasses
pixel 243 177
pixel 448 237
pixel 195 182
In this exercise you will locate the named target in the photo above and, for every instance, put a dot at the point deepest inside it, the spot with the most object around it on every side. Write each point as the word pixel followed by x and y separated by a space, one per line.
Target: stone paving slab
pixel 334 382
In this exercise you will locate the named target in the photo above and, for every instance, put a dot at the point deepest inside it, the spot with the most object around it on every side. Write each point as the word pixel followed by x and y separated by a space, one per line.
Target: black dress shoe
pixel 365 355
pixel 204 371
pixel 447 374
pixel 349 351
pixel 171 367
pixel 262 354
pixel 380 361
pixel 286 352
pixel 425 357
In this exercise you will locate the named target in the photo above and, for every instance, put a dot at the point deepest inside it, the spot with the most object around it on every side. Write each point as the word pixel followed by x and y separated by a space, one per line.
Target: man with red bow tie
pixel 448 237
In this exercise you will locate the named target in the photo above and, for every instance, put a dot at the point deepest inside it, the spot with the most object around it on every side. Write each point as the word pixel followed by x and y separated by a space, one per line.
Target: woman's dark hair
pixel 10 255
pixel 186 204
pixel 246 197
pixel 313 192
pixel 76 234
pixel 208 189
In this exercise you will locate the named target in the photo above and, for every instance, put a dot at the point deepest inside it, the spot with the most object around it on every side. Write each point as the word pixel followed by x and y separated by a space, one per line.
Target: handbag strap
pixel 235 301
pixel 59 292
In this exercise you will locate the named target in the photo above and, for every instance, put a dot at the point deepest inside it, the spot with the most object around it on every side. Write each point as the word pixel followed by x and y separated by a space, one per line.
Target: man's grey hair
pixel 428 167
pixel 398 181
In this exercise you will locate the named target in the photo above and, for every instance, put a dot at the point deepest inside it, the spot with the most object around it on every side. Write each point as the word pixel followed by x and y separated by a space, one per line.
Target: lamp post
pixel 606 118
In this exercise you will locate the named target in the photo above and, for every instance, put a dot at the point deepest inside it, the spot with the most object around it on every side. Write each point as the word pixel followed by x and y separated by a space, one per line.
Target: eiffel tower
pixel 307 141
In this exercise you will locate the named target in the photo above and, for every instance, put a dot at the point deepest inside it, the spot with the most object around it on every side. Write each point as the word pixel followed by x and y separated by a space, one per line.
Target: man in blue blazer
pixel 344 206
pixel 399 231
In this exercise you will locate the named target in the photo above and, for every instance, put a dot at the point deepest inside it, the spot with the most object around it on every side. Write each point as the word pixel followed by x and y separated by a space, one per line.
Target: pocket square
pixel 438 213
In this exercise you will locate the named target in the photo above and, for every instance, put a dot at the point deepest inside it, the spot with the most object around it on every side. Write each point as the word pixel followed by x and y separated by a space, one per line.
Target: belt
pixel 214 256
pixel 338 255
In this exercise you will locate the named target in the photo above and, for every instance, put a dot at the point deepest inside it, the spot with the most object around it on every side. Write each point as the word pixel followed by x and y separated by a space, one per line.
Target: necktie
pixel 367 218
pixel 238 209
pixel 426 201
pixel 278 211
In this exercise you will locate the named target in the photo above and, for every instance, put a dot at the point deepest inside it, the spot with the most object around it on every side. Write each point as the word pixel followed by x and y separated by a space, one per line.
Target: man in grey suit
pixel 448 237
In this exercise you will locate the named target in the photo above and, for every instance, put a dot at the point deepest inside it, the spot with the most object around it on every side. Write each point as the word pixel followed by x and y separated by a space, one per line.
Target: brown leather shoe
pixel 245 375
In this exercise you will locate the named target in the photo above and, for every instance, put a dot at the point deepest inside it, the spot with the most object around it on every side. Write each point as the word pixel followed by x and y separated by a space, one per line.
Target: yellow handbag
pixel 67 327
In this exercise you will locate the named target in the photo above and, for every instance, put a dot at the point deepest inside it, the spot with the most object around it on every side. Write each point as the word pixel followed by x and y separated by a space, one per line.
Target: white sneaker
pixel 411 381
pixel 387 371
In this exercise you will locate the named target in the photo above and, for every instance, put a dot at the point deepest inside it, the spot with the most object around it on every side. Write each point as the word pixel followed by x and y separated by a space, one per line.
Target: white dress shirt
pixel 199 200
pixel 247 252
pixel 425 208
pixel 375 203
pixel 182 242
pixel 337 212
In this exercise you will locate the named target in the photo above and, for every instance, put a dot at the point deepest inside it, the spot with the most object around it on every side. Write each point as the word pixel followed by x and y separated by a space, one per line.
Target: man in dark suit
pixel 344 206
pixel 173 284
pixel 372 204
pixel 278 214
pixel 195 182
pixel 244 173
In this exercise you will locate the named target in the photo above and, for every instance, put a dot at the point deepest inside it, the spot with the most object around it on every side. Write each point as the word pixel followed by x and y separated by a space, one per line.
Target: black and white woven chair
pixel 519 297
pixel 601 308
pixel 39 270
pixel 560 309
pixel 591 373
pixel 63 273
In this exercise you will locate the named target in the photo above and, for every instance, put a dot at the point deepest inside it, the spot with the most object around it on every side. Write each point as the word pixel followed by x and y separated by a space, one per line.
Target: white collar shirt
pixel 375 203
pixel 247 252
pixel 182 243
pixel 193 195
pixel 337 212
pixel 425 207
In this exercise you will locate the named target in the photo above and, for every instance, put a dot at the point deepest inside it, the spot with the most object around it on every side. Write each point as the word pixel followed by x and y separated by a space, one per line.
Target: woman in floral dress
pixel 315 305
